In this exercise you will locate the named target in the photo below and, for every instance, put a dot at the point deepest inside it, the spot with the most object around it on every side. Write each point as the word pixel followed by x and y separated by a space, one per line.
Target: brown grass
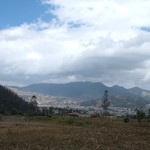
pixel 66 133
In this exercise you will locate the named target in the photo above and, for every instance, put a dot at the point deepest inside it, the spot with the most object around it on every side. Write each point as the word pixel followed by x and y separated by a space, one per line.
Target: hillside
pixel 127 101
pixel 11 103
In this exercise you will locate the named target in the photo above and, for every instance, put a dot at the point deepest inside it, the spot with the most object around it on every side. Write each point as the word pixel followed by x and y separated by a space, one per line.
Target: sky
pixel 60 41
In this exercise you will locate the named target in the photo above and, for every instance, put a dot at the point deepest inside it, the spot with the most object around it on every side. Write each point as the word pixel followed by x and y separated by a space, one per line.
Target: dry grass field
pixel 66 133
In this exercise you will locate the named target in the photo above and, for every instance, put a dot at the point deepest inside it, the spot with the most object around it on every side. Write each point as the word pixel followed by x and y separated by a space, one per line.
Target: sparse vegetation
pixel 31 128
pixel 68 133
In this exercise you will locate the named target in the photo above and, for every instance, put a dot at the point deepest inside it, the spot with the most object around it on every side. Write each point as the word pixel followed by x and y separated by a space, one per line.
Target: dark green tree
pixel 140 115
pixel 105 102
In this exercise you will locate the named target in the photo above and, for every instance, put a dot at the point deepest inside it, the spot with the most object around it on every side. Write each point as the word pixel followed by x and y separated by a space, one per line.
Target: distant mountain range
pixel 83 90
pixel 89 93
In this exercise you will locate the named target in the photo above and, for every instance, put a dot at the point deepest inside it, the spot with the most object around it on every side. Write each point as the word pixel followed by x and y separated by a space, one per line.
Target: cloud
pixel 42 50
pixel 97 40
pixel 116 18
pixel 119 62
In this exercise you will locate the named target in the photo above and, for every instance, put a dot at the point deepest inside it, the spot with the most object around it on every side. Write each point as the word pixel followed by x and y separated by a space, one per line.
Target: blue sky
pixel 61 41
pixel 16 12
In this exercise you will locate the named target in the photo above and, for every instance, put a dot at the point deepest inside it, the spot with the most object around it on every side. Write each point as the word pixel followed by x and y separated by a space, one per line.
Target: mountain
pixel 89 93
pixel 11 103
pixel 81 90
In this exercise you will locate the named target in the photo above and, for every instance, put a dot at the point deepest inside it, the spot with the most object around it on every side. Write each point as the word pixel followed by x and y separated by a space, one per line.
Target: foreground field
pixel 66 133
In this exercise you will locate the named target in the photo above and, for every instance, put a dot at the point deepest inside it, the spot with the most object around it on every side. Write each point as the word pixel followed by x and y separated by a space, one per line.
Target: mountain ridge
pixel 82 89
pixel 89 93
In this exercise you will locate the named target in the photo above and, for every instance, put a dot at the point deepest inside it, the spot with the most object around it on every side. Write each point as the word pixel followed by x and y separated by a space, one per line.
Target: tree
pixel 33 101
pixel 149 112
pixel 105 102
pixel 140 115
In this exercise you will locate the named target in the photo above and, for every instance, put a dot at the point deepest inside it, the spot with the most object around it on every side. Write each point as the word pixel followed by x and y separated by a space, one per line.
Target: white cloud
pixel 116 18
pixel 27 50
pixel 98 40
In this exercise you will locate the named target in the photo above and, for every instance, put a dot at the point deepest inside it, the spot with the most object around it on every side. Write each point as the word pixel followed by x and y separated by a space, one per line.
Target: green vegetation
pixel 11 103
pixel 140 114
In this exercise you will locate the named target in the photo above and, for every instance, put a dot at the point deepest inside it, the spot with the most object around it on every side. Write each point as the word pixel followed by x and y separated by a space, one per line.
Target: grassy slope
pixel 65 133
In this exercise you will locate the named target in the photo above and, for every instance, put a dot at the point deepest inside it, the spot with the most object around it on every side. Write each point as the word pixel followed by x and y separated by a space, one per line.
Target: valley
pixel 86 96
